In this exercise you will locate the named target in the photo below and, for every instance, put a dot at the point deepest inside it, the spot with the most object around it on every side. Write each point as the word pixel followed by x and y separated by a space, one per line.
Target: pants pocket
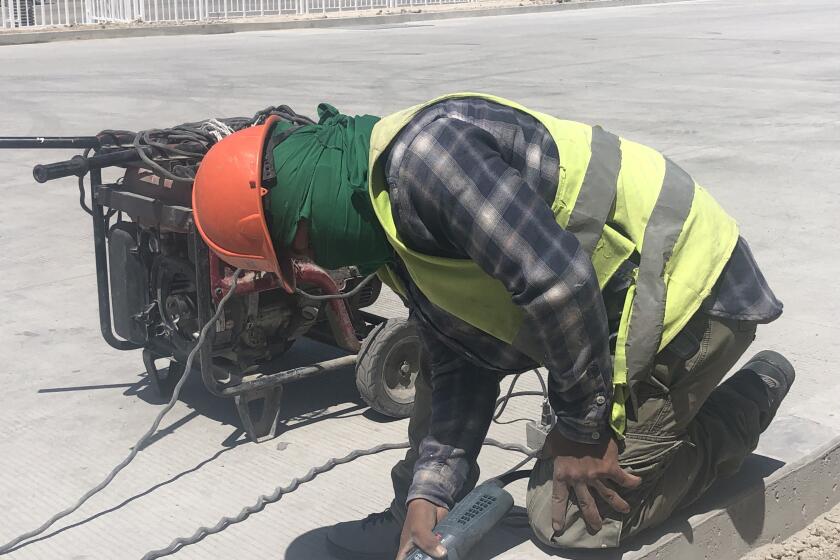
pixel 645 456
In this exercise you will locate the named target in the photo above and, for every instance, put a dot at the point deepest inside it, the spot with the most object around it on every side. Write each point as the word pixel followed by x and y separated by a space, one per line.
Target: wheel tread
pixel 367 381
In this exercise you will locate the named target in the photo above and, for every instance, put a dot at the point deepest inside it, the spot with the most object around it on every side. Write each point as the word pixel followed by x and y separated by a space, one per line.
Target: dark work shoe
pixel 775 372
pixel 375 537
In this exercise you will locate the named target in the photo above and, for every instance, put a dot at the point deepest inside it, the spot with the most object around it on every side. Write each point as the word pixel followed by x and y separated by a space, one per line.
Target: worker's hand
pixel 584 468
pixel 421 518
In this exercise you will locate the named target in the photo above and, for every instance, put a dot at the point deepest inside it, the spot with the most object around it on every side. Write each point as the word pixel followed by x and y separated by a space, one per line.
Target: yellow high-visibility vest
pixel 618 198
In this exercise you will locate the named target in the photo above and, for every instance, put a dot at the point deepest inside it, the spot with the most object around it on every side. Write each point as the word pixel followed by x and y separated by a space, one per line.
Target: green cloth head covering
pixel 322 177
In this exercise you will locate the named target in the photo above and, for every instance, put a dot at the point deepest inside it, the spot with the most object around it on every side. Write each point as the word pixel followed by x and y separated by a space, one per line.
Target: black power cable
pixel 266 499
pixel 82 191
pixel 262 501
pixel 502 402
pixel 176 152
pixel 344 295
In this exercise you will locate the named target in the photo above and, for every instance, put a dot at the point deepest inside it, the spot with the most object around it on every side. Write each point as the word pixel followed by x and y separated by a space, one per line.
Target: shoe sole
pixel 768 359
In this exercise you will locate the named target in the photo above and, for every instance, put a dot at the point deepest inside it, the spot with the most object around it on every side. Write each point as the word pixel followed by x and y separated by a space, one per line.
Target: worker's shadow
pixel 316 399
pixel 313 544
pixel 742 497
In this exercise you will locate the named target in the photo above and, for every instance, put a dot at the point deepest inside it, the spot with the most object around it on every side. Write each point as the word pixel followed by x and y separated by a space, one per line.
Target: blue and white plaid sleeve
pixel 458 182
pixel 463 399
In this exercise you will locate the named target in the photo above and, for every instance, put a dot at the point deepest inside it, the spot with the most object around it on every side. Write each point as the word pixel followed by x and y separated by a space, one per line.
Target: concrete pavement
pixel 743 94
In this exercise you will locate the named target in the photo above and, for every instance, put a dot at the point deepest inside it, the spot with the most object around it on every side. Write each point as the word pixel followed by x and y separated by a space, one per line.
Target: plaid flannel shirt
pixel 472 179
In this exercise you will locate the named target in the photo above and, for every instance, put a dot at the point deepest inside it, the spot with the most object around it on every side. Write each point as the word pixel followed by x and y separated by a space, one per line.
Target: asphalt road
pixel 743 94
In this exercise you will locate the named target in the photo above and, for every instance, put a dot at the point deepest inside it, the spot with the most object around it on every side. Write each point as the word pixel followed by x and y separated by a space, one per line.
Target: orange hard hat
pixel 228 207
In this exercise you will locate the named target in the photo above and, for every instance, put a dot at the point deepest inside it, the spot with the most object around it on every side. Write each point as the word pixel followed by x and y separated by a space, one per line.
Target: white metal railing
pixel 28 14
pixel 24 14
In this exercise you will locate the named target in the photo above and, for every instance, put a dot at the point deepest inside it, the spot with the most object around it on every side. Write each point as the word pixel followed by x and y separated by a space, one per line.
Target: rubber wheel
pixel 387 366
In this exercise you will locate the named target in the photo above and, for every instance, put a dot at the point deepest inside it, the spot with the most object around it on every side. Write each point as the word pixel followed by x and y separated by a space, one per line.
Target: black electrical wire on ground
pixel 143 440
pixel 509 476
pixel 512 474
pixel 502 402
pixel 266 499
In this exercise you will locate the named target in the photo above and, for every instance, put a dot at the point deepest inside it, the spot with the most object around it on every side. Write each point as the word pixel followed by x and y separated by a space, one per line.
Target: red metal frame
pixel 251 281
pixel 221 278
pixel 342 326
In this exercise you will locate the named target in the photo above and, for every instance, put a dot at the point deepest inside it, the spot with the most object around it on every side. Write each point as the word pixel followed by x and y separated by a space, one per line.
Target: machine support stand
pixel 259 412
pixel 164 384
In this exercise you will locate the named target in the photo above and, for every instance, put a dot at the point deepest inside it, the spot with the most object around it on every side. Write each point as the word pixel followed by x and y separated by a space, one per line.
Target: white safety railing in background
pixel 28 14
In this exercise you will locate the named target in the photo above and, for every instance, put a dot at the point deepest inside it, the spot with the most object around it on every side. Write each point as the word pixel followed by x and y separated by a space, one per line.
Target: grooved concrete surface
pixel 742 93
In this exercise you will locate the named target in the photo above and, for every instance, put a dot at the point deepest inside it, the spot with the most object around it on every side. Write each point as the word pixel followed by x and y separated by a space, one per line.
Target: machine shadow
pixel 303 402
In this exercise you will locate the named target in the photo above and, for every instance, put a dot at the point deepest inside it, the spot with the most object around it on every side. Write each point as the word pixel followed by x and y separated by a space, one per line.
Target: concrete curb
pixel 54 35
pixel 790 499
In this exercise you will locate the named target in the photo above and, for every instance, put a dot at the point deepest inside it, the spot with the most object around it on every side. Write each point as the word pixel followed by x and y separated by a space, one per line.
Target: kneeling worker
pixel 518 239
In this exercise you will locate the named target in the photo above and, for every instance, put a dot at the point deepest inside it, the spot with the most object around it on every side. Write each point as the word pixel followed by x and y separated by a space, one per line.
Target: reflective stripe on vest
pixel 663 229
pixel 597 193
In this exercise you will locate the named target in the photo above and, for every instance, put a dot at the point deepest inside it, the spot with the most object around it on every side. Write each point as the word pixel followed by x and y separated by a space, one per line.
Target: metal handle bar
pixel 80 165
pixel 77 165
pixel 49 142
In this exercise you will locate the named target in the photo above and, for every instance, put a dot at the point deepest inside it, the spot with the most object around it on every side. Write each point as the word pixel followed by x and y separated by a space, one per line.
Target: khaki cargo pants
pixel 689 431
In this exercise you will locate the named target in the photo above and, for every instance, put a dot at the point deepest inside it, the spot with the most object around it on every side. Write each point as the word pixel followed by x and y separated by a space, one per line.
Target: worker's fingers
pixel 588 509
pixel 420 536
pixel 624 478
pixel 611 497
pixel 405 547
pixel 430 545
pixel 559 501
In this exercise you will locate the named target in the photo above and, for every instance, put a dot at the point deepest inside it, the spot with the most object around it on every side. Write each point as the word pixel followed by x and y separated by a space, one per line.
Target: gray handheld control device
pixel 470 519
